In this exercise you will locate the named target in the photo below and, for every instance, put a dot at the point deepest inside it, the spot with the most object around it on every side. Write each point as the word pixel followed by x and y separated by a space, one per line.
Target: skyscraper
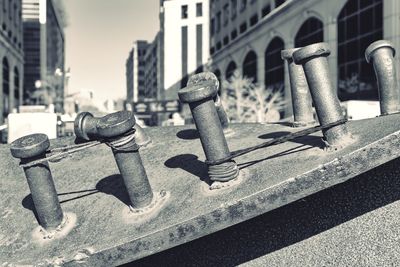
pixel 43 52
pixel 135 72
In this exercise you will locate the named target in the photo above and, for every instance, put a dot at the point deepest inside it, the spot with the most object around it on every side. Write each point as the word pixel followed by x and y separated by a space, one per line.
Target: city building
pixel 152 67
pixel 135 72
pixel 249 35
pixel 11 57
pixel 183 43
pixel 43 31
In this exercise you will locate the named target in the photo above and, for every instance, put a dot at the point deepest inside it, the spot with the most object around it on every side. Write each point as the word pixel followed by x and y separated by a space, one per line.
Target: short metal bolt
pixel 201 103
pixel 315 64
pixel 381 53
pixel 127 157
pixel 209 76
pixel 44 195
pixel 301 98
pixel 85 129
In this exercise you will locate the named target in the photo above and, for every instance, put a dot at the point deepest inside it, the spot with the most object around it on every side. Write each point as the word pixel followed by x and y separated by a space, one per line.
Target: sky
pixel 98 38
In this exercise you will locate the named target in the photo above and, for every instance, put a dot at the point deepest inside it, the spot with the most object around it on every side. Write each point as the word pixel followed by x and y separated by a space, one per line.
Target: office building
pixel 11 57
pixel 184 43
pixel 248 35
pixel 43 52
pixel 135 72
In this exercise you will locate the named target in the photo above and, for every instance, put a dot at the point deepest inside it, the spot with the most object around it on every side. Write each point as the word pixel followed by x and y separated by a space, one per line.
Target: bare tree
pixel 249 102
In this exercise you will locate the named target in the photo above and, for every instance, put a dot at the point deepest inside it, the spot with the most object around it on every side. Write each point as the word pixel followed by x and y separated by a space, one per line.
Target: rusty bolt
pixel 85 129
pixel 201 103
pixel 127 156
pixel 301 98
pixel 315 64
pixel 381 53
pixel 209 76
pixel 44 195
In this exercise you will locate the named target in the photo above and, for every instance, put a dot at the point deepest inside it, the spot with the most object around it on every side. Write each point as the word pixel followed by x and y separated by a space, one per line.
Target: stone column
pixel 286 82
pixel 330 37
pixel 11 103
pixel 391 28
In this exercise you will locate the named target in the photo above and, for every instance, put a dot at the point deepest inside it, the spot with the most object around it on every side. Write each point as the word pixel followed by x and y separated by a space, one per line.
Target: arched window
pixel 16 87
pixel 6 86
pixel 250 66
pixel 310 32
pixel 217 73
pixel 274 65
pixel 360 23
pixel 230 70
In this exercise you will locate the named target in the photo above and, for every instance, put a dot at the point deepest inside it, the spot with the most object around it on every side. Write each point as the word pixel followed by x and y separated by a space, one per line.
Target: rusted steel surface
pixel 89 185
pixel 315 64
pixel 381 54
pixel 301 97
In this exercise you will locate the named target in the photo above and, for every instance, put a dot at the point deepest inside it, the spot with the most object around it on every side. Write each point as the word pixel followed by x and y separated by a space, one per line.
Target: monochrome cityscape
pixel 225 37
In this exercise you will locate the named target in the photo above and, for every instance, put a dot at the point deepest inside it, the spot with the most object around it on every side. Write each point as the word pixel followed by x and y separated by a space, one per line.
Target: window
pixel 253 19
pixel 6 86
pixel 212 26
pixel 230 70
pixel 199 9
pixel 184 12
pixel 274 65
pixel 359 23
pixel 250 66
pixel 226 40
pixel 233 34
pixel 243 4
pixel 243 27
pixel 212 50
pixel 233 8
pixel 218 22
pixel 226 14
pixel 265 10
pixel 310 32
pixel 219 46
pixel 279 2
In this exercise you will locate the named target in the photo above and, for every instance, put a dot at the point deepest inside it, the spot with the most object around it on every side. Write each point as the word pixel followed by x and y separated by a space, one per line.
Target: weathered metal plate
pixel 89 186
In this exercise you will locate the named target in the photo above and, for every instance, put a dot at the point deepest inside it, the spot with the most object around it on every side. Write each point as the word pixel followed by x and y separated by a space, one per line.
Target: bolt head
pixel 30 146
pixel 311 51
pixel 115 124
pixel 203 77
pixel 197 92
pixel 287 54
pixel 80 125
pixel 369 52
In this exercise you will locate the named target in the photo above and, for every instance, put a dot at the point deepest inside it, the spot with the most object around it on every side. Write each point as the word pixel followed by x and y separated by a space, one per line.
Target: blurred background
pixel 58 58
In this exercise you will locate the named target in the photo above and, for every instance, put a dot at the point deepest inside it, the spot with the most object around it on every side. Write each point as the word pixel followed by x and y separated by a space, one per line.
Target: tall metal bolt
pixel 127 157
pixel 301 98
pixel 44 195
pixel 315 64
pixel 85 129
pixel 209 76
pixel 201 103
pixel 381 53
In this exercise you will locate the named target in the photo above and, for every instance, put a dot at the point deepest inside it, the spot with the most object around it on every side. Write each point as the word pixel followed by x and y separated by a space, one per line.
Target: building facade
pixel 135 72
pixel 184 43
pixel 44 48
pixel 152 67
pixel 11 57
pixel 248 35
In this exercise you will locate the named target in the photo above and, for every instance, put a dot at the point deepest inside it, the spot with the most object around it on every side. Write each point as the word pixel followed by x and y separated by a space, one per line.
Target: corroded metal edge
pixel 324 176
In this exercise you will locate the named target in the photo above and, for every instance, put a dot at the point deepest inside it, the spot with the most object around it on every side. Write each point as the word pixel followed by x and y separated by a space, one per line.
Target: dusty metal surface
pixel 89 185
pixel 381 54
